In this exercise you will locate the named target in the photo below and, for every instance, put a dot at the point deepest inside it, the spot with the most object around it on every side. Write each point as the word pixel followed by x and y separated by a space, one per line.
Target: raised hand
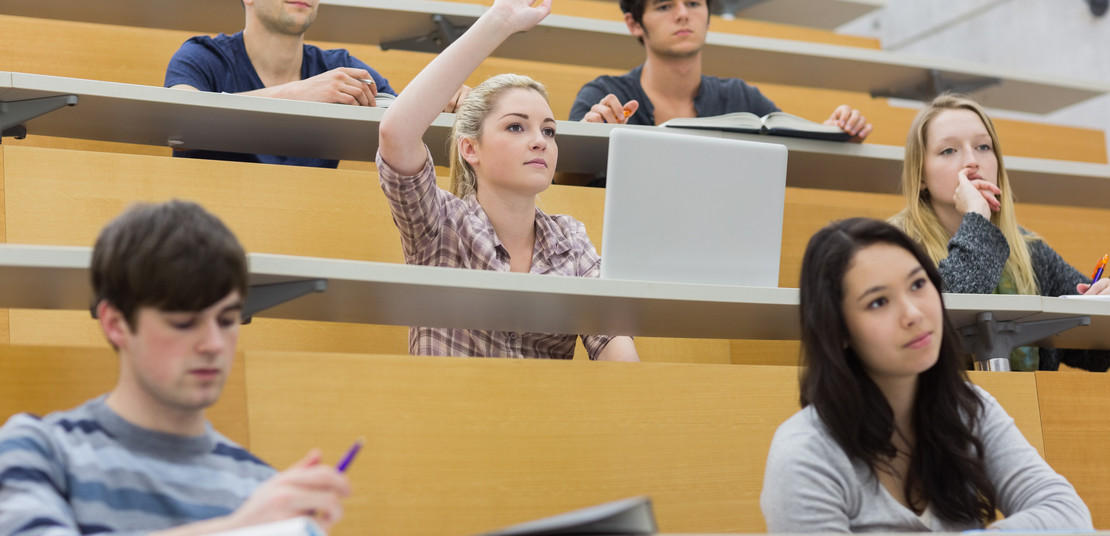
pixel 521 15
pixel 973 194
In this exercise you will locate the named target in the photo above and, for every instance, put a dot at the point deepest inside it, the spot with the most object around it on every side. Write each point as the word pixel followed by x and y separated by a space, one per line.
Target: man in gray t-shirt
pixel 670 83
pixel 169 282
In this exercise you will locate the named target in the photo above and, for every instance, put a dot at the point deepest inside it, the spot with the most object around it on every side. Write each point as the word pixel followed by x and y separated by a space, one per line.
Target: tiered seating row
pixel 573 40
pixel 343 215
pixel 91 51
pixel 156 116
pixel 461 446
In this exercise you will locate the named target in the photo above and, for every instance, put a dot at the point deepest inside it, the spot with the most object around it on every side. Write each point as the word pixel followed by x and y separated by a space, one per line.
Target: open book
pixel 626 517
pixel 775 123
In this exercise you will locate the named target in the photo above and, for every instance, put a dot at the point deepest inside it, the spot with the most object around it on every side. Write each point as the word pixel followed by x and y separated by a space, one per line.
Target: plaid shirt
pixel 439 229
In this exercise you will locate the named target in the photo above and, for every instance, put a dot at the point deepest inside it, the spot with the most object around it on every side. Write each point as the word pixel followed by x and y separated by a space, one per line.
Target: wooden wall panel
pixel 273 209
pixel 1074 409
pixel 1017 393
pixel 41 379
pixel 463 445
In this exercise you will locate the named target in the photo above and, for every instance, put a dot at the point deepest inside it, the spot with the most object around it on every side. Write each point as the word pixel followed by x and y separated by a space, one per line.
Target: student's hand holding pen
pixel 610 110
pixel 1099 285
pixel 342 85
pixel 973 194
pixel 307 488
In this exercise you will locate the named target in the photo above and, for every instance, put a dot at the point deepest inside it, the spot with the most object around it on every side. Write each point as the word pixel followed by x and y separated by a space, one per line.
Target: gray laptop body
pixel 692 209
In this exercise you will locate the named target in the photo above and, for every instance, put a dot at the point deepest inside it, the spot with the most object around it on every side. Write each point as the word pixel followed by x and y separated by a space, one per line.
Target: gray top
pixel 810 484
pixel 976 256
pixel 87 470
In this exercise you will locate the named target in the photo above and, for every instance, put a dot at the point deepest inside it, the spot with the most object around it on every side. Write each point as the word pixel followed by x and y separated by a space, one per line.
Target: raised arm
pixel 402 129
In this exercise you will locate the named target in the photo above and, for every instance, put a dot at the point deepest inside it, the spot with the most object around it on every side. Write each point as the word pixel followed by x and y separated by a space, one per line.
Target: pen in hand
pixel 350 455
pixel 1098 268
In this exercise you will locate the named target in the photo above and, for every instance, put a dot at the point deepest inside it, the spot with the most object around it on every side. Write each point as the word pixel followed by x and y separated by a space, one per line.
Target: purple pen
pixel 350 455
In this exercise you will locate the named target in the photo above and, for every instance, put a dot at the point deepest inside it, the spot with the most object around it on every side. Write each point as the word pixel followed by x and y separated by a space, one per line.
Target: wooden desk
pixel 148 115
pixel 576 40
pixel 463 446
pixel 40 277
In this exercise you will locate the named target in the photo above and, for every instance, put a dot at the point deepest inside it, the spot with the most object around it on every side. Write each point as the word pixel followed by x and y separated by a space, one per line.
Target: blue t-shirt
pixel 220 64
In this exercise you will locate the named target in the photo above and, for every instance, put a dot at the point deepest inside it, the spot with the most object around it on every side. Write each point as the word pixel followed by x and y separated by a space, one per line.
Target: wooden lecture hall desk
pixel 574 40
pixel 464 446
pixel 110 111
pixel 45 277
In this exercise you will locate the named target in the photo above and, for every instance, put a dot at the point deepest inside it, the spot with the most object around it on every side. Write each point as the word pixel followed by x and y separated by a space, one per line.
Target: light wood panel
pixel 464 445
pixel 1074 409
pixel 1017 393
pixel 65 197
pixel 42 379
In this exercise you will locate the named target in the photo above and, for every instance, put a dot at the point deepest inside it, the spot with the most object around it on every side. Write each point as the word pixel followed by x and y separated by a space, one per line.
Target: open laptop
pixel 692 209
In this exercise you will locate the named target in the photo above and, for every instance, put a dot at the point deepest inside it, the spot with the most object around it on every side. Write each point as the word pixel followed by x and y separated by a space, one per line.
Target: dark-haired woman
pixel 892 437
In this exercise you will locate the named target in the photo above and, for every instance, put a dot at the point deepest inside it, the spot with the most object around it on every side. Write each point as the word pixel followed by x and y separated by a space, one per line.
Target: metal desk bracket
pixel 991 341
pixel 262 297
pixel 14 113
pixel 935 84
pixel 444 33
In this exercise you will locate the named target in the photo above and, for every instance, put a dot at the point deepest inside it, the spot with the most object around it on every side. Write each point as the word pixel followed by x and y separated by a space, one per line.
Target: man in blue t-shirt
pixel 670 83
pixel 269 58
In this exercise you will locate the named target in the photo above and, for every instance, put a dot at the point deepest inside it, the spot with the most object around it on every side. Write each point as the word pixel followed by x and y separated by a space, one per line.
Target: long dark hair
pixel 947 467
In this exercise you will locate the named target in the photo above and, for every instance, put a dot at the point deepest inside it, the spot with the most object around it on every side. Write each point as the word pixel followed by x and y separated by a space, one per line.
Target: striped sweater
pixel 88 471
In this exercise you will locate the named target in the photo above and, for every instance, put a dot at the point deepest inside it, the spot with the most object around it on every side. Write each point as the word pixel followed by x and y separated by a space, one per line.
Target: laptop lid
pixel 692 209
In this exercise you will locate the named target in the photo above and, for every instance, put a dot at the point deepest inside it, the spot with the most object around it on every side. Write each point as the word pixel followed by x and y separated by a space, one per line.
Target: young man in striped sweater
pixel 169 282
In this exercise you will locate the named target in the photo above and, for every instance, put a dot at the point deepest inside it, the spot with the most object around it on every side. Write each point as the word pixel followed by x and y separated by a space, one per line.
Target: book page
pixel 734 122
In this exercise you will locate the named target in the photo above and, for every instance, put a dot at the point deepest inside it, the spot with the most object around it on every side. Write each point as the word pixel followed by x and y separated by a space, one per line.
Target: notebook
pixel 686 208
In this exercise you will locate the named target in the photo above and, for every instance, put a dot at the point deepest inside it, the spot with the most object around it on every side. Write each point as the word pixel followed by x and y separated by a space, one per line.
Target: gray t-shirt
pixel 810 484
pixel 86 470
